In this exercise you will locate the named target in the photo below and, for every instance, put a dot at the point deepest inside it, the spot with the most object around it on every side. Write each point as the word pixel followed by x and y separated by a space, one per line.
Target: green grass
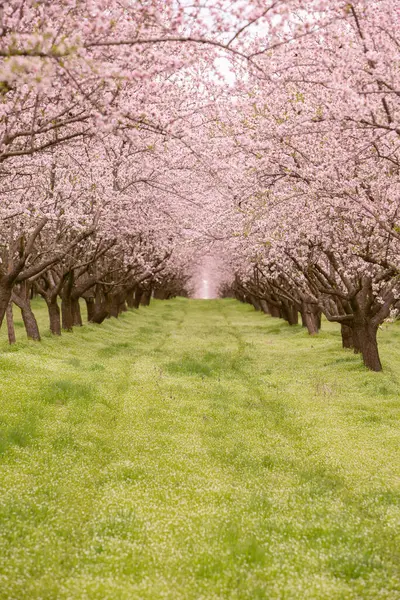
pixel 198 450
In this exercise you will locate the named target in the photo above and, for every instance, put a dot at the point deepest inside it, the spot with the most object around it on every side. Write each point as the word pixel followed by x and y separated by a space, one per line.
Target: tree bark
pixel 274 310
pixel 138 296
pixel 10 324
pixel 290 313
pixel 90 307
pixel 121 301
pixel 146 297
pixel 347 336
pixel 100 314
pixel 118 303
pixel 114 306
pixel 66 312
pixel 240 296
pixel 5 296
pixel 255 302
pixel 67 315
pixel 130 298
pixel 264 307
pixel 54 316
pixel 30 323
pixel 76 312
pixel 49 292
pixel 311 318
pixel 365 341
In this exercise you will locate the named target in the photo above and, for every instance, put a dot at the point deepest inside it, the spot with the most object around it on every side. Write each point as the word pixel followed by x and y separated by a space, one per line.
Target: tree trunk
pixel 130 298
pixel 294 316
pixel 138 297
pixel 311 321
pixel 311 318
pixel 90 307
pixel 122 304
pixel 10 324
pixel 290 313
pixel 76 312
pixel 162 293
pixel 146 297
pixel 101 310
pixel 5 297
pixel 264 306
pixel 114 306
pixel 119 302
pixel 31 326
pixel 66 312
pixel 274 310
pixel 100 314
pixel 255 302
pixel 240 296
pixel 54 316
pixel 347 336
pixel 365 340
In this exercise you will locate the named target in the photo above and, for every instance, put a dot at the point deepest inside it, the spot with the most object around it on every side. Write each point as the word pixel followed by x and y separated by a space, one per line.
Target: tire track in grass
pixel 131 353
pixel 233 331
pixel 178 326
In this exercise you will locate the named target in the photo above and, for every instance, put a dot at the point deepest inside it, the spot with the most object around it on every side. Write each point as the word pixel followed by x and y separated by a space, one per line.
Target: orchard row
pixel 140 141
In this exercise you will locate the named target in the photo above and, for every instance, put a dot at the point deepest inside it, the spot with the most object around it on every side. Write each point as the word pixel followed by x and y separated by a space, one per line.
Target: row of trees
pixel 72 230
pixel 138 137
pixel 317 216
pixel 100 181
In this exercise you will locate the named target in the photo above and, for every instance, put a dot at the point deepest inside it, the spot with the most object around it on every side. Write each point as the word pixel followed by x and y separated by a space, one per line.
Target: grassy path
pixel 197 451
